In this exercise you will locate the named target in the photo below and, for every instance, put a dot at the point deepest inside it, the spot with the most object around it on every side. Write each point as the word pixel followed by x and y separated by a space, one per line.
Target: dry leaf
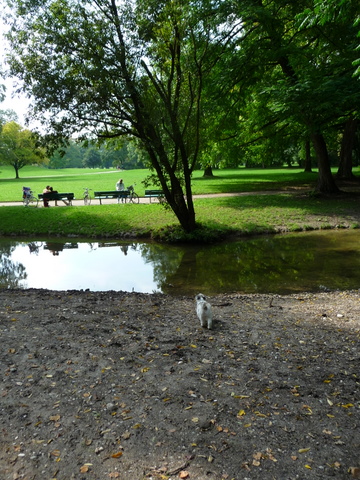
pixel 303 450
pixel 184 474
pixel 84 469
pixel 354 471
pixel 117 455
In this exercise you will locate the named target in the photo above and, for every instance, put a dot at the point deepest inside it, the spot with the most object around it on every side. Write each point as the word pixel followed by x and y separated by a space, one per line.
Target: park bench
pixel 112 194
pixel 155 194
pixel 57 196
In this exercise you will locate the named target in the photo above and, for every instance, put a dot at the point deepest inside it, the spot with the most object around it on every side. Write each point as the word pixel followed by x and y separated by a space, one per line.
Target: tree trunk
pixel 347 146
pixel 307 167
pixel 183 208
pixel 326 183
pixel 208 171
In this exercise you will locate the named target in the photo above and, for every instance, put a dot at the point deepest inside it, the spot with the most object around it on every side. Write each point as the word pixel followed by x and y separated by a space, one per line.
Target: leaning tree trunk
pixel 183 208
pixel 347 146
pixel 326 183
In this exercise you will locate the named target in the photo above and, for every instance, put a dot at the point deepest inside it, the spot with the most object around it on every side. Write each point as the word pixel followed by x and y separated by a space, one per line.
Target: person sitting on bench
pixel 45 200
pixel 55 191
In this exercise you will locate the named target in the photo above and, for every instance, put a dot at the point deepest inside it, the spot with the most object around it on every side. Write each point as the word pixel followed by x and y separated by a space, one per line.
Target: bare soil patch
pixel 109 385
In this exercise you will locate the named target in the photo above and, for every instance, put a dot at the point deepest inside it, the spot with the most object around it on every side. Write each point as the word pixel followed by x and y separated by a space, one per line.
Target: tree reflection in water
pixel 11 273
pixel 313 261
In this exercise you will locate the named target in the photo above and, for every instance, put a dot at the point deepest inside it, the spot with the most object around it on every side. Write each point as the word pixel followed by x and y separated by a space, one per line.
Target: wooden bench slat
pixel 154 194
pixel 111 194
pixel 56 196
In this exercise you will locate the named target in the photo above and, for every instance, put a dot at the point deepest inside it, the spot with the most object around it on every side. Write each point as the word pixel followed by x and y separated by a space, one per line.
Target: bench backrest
pixel 154 192
pixel 111 192
pixel 56 196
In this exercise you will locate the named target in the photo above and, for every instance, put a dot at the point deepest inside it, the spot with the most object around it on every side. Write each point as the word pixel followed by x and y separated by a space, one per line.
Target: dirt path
pixel 109 385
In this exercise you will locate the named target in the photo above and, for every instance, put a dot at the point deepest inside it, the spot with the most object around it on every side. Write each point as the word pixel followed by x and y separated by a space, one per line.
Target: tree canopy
pixel 121 68
pixel 18 147
pixel 193 82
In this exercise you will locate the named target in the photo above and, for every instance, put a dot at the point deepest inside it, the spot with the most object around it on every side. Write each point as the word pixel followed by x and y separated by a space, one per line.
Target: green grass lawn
pixel 76 180
pixel 72 180
pixel 248 214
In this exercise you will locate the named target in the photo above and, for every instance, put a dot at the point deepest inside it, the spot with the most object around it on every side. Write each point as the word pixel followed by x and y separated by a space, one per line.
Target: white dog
pixel 204 311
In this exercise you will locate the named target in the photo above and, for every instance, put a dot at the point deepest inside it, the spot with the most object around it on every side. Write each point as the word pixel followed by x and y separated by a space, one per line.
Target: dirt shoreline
pixel 102 385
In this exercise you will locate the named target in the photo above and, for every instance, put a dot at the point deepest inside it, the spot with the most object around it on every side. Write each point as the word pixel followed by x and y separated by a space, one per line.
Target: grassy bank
pixel 248 214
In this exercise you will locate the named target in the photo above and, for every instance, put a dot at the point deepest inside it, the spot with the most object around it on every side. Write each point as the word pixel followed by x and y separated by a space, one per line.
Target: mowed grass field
pixel 76 180
pixel 243 214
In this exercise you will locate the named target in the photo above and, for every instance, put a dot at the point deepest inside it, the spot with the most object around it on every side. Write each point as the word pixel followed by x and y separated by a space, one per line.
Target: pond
pixel 312 261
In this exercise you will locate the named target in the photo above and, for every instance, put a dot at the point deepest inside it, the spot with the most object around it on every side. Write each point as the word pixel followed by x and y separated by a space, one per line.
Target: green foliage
pixel 94 78
pixel 18 147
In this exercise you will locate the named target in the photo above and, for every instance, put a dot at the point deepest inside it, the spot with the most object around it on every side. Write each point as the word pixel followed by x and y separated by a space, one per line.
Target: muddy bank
pixel 129 386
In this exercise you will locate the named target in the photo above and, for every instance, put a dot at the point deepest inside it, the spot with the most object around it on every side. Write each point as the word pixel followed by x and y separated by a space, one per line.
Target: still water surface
pixel 313 261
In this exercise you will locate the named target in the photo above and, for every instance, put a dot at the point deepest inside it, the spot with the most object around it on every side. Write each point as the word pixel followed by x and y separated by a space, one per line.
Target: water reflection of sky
pixel 96 268
pixel 312 261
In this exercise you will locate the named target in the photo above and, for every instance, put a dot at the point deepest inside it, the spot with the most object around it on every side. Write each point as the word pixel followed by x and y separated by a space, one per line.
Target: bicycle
pixel 87 196
pixel 29 197
pixel 132 197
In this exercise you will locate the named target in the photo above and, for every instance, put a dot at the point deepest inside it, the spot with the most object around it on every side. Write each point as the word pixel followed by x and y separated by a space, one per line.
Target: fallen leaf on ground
pixel 117 455
pixel 184 474
pixel 303 450
pixel 354 471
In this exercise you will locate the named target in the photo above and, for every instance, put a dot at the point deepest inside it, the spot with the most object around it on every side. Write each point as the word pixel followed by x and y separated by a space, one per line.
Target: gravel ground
pixel 102 385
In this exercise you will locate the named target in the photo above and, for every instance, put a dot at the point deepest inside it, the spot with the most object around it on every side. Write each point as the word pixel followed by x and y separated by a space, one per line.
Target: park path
pixel 79 202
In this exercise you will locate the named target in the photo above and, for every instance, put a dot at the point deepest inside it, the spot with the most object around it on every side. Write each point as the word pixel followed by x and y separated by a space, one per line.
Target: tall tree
pixel 18 147
pixel 117 68
pixel 305 51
